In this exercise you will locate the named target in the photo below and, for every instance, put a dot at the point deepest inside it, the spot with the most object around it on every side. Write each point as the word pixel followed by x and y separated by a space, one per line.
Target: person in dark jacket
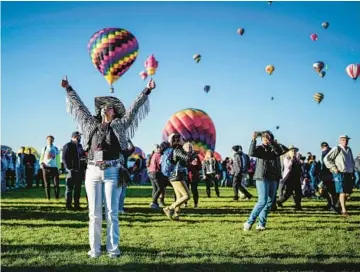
pixel 211 172
pixel 29 161
pixel 239 169
pixel 71 159
pixel 267 173
pixel 180 158
pixel 328 187
pixel 194 168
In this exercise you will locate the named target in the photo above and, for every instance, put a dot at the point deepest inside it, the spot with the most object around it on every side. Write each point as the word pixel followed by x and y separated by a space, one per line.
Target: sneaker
pixel 247 226
pixel 162 205
pixel 154 206
pixel 169 213
pixel 93 255
pixel 176 216
pixel 260 228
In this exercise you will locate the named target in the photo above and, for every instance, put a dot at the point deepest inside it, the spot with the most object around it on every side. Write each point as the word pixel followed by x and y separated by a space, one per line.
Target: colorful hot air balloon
pixel 193 125
pixel 113 51
pixel 206 88
pixel 138 154
pixel 217 156
pixel 322 74
pixel 240 31
pixel 325 25
pixel 143 75
pixel 318 97
pixel 353 70
pixel 151 64
pixel 197 57
pixel 318 66
pixel 314 37
pixel 269 69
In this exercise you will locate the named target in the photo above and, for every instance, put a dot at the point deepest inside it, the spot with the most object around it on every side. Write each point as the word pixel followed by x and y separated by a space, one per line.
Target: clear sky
pixel 42 41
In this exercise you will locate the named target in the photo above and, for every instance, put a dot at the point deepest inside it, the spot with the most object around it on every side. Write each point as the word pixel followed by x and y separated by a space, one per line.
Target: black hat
pixel 75 134
pixel 237 148
pixel 324 144
pixel 107 101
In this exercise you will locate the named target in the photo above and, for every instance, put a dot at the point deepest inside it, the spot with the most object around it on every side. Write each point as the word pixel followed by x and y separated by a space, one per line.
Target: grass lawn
pixel 37 235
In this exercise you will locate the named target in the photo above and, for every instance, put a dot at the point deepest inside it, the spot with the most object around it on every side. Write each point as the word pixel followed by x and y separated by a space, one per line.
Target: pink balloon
pixel 314 37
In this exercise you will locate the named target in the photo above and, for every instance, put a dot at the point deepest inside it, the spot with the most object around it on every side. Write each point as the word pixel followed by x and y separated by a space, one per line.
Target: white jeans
pixel 20 176
pixel 102 187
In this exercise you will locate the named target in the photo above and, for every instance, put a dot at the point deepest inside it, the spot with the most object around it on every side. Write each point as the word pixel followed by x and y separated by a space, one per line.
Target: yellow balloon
pixel 269 69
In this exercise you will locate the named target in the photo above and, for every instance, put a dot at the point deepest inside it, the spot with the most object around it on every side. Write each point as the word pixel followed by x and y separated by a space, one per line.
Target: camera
pixel 258 133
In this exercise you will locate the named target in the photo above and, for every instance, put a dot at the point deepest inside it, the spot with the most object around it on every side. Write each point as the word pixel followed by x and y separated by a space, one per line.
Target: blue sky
pixel 42 41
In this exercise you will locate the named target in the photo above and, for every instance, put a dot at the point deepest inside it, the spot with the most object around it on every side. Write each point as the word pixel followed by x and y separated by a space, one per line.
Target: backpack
pixel 245 159
pixel 167 165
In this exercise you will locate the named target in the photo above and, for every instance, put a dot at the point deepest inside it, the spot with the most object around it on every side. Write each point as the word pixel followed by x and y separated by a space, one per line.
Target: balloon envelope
pixel 240 31
pixel 318 97
pixel 353 71
pixel 270 69
pixel 195 126
pixel 113 51
pixel 314 37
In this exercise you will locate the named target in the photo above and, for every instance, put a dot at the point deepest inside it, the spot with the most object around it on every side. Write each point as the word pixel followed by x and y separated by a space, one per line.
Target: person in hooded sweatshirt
pixel 267 174
pixel 239 169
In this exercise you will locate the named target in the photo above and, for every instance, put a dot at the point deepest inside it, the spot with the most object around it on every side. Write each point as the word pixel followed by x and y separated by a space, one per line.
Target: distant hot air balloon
pixel 314 37
pixel 272 98
pixel 318 97
pixel 269 3
pixel 151 64
pixel 240 31
pixel 197 57
pixel 143 75
pixel 193 125
pixel 325 25
pixel 206 88
pixel 277 127
pixel 353 70
pixel 322 74
pixel 113 51
pixel 269 69
pixel 318 66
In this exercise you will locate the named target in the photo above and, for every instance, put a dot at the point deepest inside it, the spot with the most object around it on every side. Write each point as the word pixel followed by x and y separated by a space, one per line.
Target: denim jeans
pixel 20 176
pixel 102 187
pixel 122 197
pixel 266 190
pixel 357 179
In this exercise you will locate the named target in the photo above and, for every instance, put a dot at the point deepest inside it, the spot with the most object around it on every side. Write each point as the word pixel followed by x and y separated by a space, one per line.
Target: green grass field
pixel 37 235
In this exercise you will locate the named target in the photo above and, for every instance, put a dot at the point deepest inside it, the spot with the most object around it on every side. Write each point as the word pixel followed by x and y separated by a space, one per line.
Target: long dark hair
pixel 149 160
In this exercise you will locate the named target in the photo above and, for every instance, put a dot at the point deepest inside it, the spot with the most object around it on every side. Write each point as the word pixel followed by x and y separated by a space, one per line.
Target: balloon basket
pixel 112 90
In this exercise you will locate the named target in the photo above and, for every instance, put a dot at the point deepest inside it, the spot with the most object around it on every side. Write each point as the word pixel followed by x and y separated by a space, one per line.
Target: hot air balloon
pixel 353 70
pixel 151 64
pixel 113 51
pixel 269 69
pixel 193 125
pixel 277 127
pixel 318 97
pixel 325 25
pixel 143 75
pixel 272 98
pixel 314 37
pixel 240 31
pixel 322 74
pixel 217 156
pixel 318 66
pixel 206 88
pixel 197 57
pixel 138 154
pixel 269 3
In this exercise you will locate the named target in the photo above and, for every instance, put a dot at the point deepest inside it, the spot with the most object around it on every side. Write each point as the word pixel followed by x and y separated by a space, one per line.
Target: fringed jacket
pixel 124 128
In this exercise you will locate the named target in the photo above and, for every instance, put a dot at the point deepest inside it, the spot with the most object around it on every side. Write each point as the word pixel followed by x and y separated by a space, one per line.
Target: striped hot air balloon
pixel 353 70
pixel 318 97
pixel 197 58
pixel 195 126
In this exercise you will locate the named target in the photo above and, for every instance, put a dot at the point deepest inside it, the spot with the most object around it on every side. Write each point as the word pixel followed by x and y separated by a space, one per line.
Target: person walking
pixel 239 169
pixel 211 173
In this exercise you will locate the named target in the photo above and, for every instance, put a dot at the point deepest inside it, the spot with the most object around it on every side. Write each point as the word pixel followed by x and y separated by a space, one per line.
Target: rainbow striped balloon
pixel 113 51
pixel 193 125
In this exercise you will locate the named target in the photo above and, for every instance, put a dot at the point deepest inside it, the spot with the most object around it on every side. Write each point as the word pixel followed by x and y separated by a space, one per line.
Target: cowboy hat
pixel 293 147
pixel 102 101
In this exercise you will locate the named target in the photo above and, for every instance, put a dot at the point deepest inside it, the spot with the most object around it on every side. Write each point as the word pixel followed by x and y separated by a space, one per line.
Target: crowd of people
pixel 277 171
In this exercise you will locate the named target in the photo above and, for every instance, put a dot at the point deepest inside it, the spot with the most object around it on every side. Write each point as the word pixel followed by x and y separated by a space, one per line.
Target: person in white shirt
pixel 49 163
pixel 20 169
pixel 340 161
